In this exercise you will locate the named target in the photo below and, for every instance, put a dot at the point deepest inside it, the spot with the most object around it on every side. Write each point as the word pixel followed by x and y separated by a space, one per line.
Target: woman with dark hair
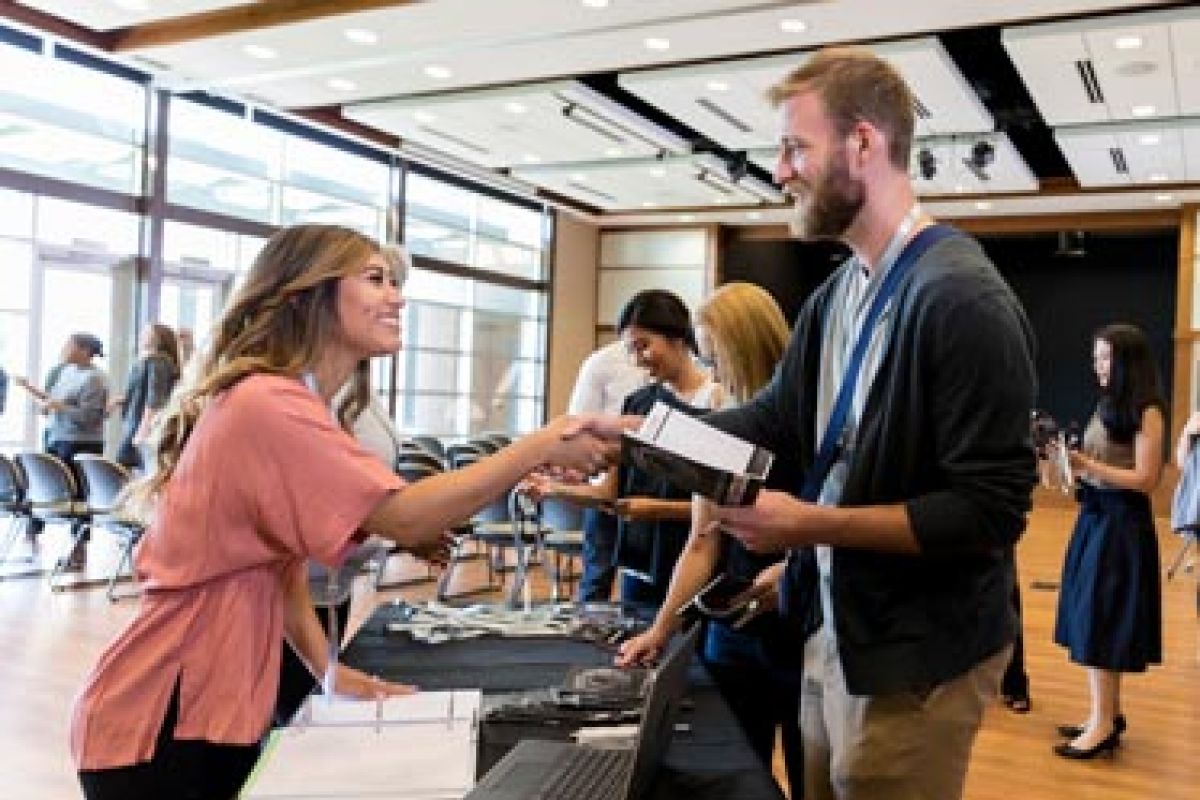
pixel 657 330
pixel 257 472
pixel 1109 605
pixel 151 381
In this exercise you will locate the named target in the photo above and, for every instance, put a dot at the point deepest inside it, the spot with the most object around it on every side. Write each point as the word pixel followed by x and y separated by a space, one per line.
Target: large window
pixel 475 326
pixel 63 120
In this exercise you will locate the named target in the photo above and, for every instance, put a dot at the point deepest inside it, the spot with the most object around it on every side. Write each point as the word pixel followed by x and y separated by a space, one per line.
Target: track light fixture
pixel 983 154
pixel 927 163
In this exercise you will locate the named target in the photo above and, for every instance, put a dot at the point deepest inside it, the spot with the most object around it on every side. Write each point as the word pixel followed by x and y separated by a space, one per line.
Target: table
pixel 710 760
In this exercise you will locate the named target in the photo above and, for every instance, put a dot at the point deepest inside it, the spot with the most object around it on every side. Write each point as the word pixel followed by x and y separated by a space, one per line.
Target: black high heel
pixel 1107 748
pixel 1075 731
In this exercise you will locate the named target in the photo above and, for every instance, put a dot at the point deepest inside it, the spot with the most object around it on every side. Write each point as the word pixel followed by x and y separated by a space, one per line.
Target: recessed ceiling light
pixel 259 51
pixel 658 172
pixel 1164 198
pixel 1143 111
pixel 649 204
pixel 1159 177
pixel 959 188
pixel 614 152
pixel 438 72
pixel 687 217
pixel 132 5
pixel 342 84
pixel 721 201
pixel 425 117
pixel 1127 42
pixel 717 86
pixel 656 43
pixel 361 36
pixel 983 205
pixel 513 107
pixel 595 3
pixel 753 215
pixel 579 177
pixel 1149 139
pixel 530 158
pixel 793 25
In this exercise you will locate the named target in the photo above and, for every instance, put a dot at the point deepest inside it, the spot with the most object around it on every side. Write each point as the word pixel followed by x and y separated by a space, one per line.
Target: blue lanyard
pixel 830 448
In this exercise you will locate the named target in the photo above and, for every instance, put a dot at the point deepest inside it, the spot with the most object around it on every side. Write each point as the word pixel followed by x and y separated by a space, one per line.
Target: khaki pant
pixel 888 747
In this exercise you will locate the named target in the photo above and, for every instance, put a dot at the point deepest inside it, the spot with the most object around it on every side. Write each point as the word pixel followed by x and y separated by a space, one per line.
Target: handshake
pixel 577 447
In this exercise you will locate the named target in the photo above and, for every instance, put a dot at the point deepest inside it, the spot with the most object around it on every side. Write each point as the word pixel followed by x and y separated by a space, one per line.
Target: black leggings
pixel 180 769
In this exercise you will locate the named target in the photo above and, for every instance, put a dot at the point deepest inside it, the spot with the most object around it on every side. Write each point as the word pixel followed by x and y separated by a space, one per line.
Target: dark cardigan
pixel 945 431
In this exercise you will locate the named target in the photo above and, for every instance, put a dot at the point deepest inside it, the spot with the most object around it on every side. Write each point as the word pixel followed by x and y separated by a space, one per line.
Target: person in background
pixel 75 401
pixel 900 528
pixel 185 338
pixel 254 475
pixel 657 329
pixel 742 334
pixel 149 387
pixel 606 378
pixel 1110 601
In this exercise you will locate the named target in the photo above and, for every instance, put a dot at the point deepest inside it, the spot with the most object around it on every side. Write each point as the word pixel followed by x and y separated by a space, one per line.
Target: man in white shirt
pixel 606 377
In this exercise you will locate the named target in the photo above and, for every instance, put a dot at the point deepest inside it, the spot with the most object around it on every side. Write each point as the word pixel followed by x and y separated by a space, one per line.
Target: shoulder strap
pixel 828 452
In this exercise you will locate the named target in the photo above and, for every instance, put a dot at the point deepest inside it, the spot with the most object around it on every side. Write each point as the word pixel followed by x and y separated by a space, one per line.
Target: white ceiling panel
pixel 103 15
pixel 726 101
pixel 1132 153
pixel 1109 69
pixel 641 184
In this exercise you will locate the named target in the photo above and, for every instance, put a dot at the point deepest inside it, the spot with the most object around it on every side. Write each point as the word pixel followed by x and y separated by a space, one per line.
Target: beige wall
pixel 573 319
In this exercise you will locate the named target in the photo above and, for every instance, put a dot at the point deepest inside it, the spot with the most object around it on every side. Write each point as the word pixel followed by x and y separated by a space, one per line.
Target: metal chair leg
pixel 1189 540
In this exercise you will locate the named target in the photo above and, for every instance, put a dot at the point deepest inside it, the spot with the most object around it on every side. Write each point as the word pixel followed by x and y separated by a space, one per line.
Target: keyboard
pixel 590 773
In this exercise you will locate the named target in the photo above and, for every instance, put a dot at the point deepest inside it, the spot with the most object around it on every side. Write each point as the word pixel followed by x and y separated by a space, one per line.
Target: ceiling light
pixel 753 215
pixel 1144 111
pixel 717 86
pixel 595 3
pixel 1164 198
pixel 361 36
pixel 959 188
pixel 614 152
pixel 1159 177
pixel 648 204
pixel 1149 139
pixel 513 107
pixel 438 72
pixel 687 217
pixel 720 200
pixel 793 25
pixel 1127 42
pixel 656 43
pixel 132 5
pixel 342 84
pixel 530 158
pixel 259 51
pixel 579 177
pixel 983 205
pixel 658 172
pixel 425 117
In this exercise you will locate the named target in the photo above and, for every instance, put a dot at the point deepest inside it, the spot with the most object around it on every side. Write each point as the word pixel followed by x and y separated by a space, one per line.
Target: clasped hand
pixel 775 522
pixel 586 444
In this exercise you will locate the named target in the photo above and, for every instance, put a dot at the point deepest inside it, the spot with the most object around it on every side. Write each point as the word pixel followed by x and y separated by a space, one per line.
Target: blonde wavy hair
pixel 277 323
pixel 749 334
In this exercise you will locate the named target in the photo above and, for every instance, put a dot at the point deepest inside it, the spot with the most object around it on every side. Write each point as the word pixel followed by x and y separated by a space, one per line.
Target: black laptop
pixel 537 768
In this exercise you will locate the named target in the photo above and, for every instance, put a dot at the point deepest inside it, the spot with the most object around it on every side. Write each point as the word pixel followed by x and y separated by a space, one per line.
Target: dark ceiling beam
pixel 54 25
pixel 236 19
pixel 331 117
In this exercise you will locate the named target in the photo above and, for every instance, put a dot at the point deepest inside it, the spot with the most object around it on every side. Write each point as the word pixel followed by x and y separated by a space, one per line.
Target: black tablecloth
pixel 711 759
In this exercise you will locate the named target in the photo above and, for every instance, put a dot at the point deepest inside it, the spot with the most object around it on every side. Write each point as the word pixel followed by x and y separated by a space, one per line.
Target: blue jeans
pixel 599 546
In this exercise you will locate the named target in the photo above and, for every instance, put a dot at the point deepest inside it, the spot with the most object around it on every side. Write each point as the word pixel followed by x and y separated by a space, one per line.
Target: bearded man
pixel 900 421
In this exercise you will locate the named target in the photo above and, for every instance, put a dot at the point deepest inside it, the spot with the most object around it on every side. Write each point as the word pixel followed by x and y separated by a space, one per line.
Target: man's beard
pixel 831 205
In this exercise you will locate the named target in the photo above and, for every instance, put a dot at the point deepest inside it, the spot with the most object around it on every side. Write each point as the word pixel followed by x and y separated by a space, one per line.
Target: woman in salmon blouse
pixel 254 476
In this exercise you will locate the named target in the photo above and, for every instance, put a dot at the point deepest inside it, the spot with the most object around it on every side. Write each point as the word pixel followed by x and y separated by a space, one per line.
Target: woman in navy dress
pixel 1110 605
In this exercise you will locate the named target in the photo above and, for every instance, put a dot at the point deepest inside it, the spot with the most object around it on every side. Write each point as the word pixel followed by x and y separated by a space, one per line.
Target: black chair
pixel 103 483
pixel 54 496
pixel 460 455
pixel 15 507
pixel 412 467
pixel 562 536
pixel 430 444
pixel 500 438
pixel 484 445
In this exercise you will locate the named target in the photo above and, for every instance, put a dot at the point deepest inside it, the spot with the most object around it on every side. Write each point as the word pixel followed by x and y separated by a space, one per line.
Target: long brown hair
pixel 164 344
pixel 279 321
pixel 749 334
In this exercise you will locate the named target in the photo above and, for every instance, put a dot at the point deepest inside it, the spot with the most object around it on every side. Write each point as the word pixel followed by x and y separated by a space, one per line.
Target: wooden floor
pixel 48 640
